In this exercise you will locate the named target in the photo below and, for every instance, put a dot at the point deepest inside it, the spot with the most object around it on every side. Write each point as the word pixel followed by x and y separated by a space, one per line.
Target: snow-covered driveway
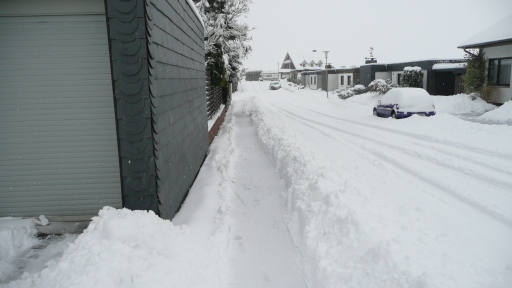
pixel 387 203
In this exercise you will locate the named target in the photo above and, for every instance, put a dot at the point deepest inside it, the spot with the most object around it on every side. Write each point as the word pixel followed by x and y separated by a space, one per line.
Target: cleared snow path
pixel 429 200
pixel 262 253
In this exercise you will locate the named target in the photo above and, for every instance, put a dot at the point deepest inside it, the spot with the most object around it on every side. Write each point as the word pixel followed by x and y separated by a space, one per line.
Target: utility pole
pixel 278 72
pixel 326 74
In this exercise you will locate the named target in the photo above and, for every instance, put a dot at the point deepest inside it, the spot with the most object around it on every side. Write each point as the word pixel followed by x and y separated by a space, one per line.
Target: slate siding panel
pixel 175 41
pixel 128 49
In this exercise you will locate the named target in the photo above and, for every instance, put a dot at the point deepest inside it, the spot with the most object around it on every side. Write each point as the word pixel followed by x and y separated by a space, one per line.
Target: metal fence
pixel 213 97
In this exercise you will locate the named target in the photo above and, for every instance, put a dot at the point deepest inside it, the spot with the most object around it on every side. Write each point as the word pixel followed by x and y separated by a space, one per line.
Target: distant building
pixel 496 43
pixel 269 75
pixel 440 77
pixel 338 78
pixel 253 75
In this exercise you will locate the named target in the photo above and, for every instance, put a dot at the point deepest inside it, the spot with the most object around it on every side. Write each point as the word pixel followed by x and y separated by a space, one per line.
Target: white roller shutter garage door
pixel 58 144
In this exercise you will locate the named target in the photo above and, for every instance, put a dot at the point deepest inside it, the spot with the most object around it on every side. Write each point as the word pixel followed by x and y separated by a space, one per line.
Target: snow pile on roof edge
pixel 124 248
pixel 336 249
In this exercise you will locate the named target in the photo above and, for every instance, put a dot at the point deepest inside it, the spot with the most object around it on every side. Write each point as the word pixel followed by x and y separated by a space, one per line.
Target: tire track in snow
pixel 413 136
pixel 404 167
pixel 472 172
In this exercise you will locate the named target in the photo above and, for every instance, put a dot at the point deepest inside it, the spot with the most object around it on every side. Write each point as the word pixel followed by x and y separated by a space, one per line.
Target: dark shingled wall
pixel 127 37
pixel 178 98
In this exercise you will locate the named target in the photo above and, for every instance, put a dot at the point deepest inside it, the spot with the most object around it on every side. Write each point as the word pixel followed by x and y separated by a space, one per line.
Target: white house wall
pixel 345 79
pixel 333 82
pixel 312 83
pixel 383 75
pixel 503 94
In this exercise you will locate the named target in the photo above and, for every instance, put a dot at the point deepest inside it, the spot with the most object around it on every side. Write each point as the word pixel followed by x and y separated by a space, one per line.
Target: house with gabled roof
pixel 288 62
pixel 496 43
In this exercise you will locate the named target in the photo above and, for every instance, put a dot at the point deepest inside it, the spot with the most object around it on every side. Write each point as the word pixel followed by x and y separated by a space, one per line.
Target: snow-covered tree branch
pixel 226 38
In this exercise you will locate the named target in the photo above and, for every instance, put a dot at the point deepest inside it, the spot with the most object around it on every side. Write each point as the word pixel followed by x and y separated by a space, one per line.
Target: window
pixel 315 80
pixel 349 80
pixel 342 80
pixel 398 78
pixel 499 72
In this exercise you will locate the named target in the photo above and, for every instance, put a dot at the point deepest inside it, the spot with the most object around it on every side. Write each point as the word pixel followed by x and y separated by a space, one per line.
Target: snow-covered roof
pixel 448 66
pixel 414 68
pixel 284 70
pixel 499 32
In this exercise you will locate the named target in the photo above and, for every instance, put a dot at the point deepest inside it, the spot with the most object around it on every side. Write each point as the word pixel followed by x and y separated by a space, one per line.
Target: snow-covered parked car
pixel 405 102
pixel 274 85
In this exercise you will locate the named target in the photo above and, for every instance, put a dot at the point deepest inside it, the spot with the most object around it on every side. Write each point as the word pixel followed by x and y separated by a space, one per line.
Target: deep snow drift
pixel 501 114
pixel 363 202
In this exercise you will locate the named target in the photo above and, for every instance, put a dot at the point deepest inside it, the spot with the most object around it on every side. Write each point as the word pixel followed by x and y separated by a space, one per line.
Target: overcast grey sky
pixel 398 30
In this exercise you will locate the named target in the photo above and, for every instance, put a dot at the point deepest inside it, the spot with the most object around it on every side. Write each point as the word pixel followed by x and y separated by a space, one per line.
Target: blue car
pixel 405 102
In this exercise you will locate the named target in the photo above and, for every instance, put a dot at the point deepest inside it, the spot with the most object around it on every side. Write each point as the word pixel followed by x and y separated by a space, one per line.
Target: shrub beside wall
pixel 412 77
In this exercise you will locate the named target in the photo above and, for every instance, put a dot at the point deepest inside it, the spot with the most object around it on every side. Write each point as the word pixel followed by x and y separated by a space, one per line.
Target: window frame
pixel 489 83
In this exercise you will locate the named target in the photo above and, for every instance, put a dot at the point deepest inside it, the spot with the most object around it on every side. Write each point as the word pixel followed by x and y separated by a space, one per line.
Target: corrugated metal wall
pixel 58 147
pixel 178 98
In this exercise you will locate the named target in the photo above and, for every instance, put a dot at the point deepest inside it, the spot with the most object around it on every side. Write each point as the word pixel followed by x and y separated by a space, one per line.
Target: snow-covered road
pixel 425 201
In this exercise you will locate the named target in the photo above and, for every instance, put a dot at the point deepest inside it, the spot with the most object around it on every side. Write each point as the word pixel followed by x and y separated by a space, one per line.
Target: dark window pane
pixel 505 69
pixel 342 80
pixel 493 72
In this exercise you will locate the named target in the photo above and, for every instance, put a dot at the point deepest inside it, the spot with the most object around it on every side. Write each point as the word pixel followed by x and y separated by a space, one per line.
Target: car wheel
pixel 375 112
pixel 393 114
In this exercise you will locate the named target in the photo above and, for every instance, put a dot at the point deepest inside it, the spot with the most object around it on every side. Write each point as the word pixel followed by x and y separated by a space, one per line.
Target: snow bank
pixel 123 248
pixel 367 99
pixel 336 249
pixel 16 236
pixel 461 104
pixel 501 114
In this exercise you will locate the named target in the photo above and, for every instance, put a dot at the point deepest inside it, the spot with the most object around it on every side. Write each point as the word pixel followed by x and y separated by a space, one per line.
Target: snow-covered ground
pixel 303 191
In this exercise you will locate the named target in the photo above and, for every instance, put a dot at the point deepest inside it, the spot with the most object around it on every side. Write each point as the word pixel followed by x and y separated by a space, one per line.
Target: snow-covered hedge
pixel 412 77
pixel 345 93
pixel 380 86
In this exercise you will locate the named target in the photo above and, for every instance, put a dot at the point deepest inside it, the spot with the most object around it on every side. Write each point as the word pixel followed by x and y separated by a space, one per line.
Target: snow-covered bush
pixel 412 77
pixel 359 89
pixel 380 86
pixel 345 93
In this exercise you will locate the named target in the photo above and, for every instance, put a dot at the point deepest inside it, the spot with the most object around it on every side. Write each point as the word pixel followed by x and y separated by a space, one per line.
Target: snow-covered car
pixel 405 102
pixel 260 79
pixel 274 85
